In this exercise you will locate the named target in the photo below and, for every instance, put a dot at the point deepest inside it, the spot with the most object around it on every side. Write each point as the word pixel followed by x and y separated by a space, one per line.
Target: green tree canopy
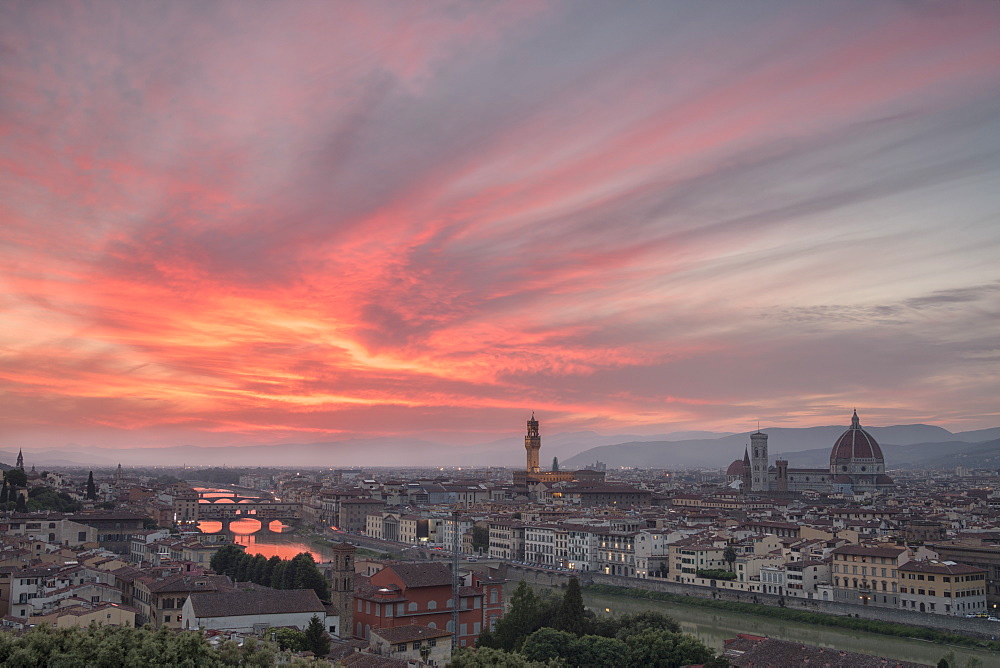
pixel 125 647
pixel 489 657
pixel 16 478
pixel 548 643
pixel 665 649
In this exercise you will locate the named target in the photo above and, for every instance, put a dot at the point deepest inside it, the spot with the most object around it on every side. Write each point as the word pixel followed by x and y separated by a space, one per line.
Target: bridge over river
pixel 233 507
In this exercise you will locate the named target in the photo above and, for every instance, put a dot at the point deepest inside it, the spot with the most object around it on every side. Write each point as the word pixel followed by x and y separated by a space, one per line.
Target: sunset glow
pixel 235 223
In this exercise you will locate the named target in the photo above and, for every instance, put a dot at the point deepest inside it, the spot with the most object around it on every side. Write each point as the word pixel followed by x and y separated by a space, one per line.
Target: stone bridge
pixel 228 510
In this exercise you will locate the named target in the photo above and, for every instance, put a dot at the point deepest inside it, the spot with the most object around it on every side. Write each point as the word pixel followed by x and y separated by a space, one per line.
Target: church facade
pixel 857 466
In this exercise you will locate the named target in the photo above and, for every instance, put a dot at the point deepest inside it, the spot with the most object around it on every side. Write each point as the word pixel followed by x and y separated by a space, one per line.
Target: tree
pixel 310 577
pixel 289 639
pixel 488 657
pixel 527 614
pixel 223 561
pixel 266 578
pixel 91 488
pixel 548 643
pixel 665 649
pixel 601 651
pixel 729 554
pixel 16 478
pixel 555 463
pixel 20 504
pixel 3 492
pixel 648 620
pixel 572 615
pixel 316 639
pixel 99 645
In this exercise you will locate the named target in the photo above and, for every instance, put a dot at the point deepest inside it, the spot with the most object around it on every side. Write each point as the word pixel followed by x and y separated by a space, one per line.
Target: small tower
pixel 20 459
pixel 758 459
pixel 341 576
pixel 119 476
pixel 532 444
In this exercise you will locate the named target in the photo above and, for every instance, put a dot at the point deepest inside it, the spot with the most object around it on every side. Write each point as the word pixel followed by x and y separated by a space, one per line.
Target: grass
pixel 803 616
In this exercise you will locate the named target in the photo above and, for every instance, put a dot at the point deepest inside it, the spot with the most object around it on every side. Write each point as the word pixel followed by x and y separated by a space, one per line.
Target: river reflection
pixel 283 546
pixel 713 627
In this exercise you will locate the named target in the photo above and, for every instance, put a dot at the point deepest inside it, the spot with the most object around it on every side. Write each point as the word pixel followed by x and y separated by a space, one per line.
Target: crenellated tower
pixel 532 444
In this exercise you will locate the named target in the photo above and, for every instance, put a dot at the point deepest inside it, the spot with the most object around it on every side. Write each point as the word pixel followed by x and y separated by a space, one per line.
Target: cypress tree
pixel 268 577
pixel 316 638
pixel 91 488
pixel 572 613
pixel 3 492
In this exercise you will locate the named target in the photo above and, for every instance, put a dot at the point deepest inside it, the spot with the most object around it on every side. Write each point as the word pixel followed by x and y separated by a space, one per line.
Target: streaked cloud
pixel 234 223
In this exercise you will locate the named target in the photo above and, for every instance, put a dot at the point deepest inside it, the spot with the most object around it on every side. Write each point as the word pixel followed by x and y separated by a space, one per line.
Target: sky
pixel 234 223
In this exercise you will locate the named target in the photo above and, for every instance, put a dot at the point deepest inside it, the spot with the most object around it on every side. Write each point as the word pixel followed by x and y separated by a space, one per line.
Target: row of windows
pixel 864 570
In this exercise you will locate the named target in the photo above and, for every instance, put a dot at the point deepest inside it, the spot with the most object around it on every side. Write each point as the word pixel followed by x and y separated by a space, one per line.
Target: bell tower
pixel 532 444
pixel 341 575
pixel 758 459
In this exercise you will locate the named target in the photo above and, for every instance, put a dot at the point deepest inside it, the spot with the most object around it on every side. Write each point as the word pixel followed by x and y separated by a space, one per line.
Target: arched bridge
pixel 227 510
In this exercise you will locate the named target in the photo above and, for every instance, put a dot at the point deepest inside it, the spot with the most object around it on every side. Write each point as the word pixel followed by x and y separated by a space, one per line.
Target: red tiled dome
pixel 736 468
pixel 855 443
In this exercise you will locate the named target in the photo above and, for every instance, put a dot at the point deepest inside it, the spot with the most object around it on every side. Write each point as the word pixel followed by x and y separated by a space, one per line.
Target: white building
pixel 253 610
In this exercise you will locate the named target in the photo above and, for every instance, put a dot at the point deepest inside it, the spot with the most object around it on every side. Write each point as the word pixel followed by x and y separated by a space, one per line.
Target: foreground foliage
pixel 551 631
pixel 114 646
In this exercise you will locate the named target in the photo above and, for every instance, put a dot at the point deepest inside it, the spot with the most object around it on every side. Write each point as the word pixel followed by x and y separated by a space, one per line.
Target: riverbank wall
pixel 976 628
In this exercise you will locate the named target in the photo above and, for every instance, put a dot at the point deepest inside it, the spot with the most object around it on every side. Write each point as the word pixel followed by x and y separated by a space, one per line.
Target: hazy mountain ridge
pixel 903 445
pixel 802 447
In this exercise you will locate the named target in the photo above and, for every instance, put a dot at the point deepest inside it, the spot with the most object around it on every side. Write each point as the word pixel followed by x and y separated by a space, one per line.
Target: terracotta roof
pixel 255 602
pixel 365 660
pixel 185 582
pixel 870 550
pixel 943 567
pixel 432 574
pixel 410 632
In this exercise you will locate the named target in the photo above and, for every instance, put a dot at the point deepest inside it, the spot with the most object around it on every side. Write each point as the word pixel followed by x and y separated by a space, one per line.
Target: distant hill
pixel 942 455
pixel 806 447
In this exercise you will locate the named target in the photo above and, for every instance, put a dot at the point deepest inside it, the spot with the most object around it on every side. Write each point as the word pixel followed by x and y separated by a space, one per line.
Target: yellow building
pixel 111 614
pixel 868 574
pixel 943 588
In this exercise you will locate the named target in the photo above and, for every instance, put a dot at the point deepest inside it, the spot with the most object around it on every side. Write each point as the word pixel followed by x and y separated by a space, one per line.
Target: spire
pixel 746 456
pixel 855 422
pixel 20 459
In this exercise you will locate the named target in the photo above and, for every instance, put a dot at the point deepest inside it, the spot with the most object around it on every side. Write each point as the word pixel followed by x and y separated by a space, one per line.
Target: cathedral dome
pixel 737 468
pixel 855 443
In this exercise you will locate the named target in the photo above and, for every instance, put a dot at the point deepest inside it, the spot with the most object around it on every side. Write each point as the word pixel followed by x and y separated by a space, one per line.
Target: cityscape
pixel 481 333
pixel 391 550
